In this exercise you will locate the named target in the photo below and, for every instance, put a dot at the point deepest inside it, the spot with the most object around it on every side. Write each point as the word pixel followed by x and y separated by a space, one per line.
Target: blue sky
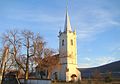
pixel 97 23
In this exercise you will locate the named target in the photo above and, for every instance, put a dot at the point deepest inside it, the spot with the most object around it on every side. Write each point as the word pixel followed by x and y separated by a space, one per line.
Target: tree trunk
pixel 49 74
pixel 4 59
pixel 27 70
pixel 27 63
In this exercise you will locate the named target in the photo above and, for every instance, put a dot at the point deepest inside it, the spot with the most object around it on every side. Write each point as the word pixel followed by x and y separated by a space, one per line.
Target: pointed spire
pixel 67 26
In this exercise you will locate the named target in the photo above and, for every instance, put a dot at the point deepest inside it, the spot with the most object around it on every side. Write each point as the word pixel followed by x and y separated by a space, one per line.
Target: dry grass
pixel 90 82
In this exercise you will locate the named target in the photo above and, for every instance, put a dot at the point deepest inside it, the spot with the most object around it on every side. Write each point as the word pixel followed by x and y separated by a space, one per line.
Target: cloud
pixel 95 22
pixel 87 58
pixel 105 60
pixel 33 16
pixel 101 60
pixel 84 65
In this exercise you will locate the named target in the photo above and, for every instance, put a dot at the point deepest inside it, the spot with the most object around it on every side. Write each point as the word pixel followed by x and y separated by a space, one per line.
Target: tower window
pixel 62 42
pixel 71 42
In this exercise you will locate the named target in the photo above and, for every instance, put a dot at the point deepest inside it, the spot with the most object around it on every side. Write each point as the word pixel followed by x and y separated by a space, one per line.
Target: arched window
pixel 71 42
pixel 62 42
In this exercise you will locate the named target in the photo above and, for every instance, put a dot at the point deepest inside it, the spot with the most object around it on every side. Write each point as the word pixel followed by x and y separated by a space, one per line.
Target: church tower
pixel 68 52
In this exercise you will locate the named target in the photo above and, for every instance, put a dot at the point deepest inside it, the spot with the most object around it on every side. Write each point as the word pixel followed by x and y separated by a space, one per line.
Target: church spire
pixel 67 26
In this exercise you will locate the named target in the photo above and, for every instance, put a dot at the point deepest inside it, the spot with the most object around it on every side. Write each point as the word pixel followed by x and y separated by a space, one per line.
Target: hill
pixel 113 67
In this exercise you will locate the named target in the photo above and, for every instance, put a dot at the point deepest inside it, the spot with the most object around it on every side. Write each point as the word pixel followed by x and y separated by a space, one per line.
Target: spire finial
pixel 67 26
pixel 67 5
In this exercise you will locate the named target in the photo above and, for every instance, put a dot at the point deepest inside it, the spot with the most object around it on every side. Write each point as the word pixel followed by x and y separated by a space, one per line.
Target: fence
pixel 36 81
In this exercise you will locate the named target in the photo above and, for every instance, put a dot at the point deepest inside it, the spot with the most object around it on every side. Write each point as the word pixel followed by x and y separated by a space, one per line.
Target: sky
pixel 97 23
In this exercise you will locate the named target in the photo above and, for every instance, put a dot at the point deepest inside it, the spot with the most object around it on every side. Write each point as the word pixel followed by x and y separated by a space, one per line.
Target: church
pixel 67 56
pixel 68 53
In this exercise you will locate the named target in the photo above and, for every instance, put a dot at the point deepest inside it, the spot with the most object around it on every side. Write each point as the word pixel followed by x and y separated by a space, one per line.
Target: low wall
pixel 36 81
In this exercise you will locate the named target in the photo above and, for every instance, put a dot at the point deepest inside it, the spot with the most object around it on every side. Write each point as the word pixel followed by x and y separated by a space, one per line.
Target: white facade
pixel 68 52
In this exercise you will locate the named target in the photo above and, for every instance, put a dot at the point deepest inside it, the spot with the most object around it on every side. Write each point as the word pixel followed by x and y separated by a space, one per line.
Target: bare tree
pixel 28 43
pixel 34 45
pixel 20 41
pixel 30 46
pixel 51 61
pixel 108 77
pixel 97 76
pixel 48 62
pixel 3 63
pixel 13 39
